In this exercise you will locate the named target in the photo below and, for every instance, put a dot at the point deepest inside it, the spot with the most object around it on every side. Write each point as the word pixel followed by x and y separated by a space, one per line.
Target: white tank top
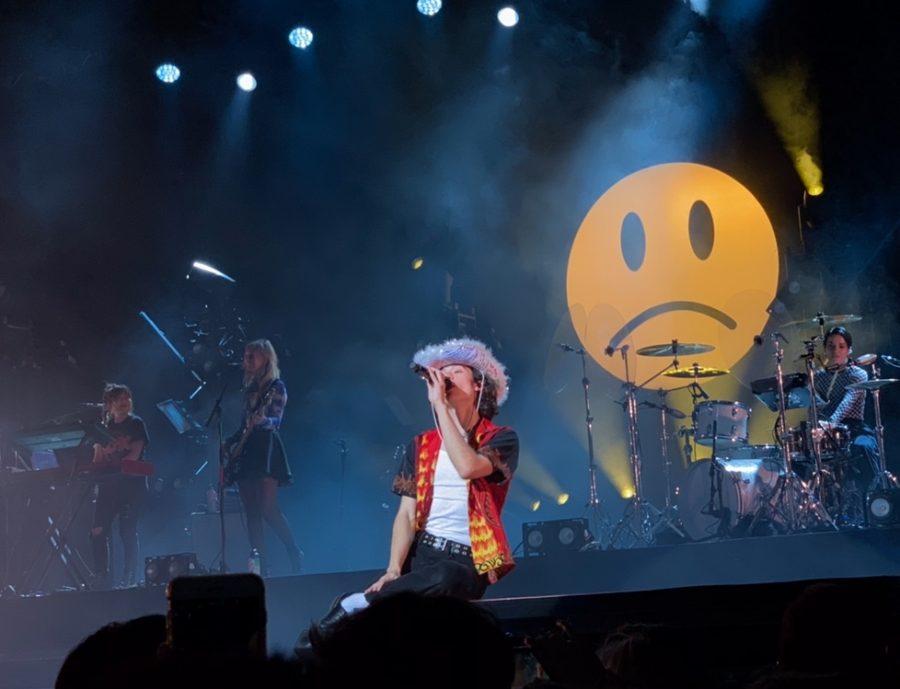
pixel 449 514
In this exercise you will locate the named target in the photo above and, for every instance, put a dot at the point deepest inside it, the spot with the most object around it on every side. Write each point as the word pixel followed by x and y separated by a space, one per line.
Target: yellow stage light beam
pixel 790 101
pixel 535 475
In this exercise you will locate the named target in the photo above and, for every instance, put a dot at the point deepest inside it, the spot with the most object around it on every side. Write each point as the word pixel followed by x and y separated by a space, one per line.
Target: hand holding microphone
pixel 432 377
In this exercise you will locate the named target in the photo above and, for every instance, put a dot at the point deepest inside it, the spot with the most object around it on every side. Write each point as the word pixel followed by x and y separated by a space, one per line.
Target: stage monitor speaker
pixel 206 540
pixel 883 507
pixel 161 569
pixel 550 538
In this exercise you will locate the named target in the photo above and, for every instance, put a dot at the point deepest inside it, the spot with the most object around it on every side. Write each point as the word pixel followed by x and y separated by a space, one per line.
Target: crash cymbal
pixel 673 349
pixel 873 384
pixel 865 359
pixel 696 371
pixel 824 320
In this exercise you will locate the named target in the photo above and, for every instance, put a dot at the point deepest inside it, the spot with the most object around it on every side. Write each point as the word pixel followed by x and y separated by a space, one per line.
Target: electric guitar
pixel 233 453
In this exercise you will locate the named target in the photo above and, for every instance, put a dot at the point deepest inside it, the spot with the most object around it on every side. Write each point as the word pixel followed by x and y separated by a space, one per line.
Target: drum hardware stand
pixel 816 484
pixel 640 519
pixel 598 520
pixel 790 495
pixel 669 518
pixel 885 479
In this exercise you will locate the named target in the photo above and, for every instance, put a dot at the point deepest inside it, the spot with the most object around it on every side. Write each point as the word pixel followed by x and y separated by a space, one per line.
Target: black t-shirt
pixel 125 433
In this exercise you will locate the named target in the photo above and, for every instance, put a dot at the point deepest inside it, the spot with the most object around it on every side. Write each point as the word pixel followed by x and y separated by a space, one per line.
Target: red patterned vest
pixel 490 547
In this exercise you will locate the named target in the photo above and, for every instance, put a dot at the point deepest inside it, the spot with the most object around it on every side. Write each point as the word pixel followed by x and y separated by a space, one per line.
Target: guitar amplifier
pixel 206 540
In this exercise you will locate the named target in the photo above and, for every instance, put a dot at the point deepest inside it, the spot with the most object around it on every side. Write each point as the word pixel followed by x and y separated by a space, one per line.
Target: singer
pixel 255 456
pixel 448 536
pixel 838 405
pixel 118 495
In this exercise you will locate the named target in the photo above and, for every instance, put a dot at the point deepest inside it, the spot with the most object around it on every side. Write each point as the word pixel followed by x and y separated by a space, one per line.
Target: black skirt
pixel 263 455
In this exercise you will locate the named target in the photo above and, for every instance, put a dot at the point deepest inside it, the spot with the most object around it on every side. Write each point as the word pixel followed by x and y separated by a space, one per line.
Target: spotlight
pixel 246 82
pixel 300 37
pixel 536 505
pixel 206 268
pixel 562 498
pixel 418 262
pixel 429 7
pixel 168 73
pixel 552 538
pixel 508 17
pixel 161 569
pixel 883 507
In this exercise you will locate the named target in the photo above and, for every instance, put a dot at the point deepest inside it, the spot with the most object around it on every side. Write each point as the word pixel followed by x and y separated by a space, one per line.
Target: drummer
pixel 838 405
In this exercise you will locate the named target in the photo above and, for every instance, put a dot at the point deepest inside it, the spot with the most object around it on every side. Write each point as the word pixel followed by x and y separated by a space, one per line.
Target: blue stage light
pixel 168 73
pixel 429 7
pixel 300 37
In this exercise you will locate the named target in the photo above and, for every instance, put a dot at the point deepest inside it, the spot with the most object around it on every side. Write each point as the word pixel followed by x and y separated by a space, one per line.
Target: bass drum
pixel 744 483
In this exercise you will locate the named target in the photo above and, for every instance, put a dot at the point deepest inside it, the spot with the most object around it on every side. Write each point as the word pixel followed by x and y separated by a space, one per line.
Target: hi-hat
pixel 824 320
pixel 873 384
pixel 696 371
pixel 674 349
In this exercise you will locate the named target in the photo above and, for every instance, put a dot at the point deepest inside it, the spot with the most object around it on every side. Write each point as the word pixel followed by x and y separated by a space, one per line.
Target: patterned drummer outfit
pixel 838 405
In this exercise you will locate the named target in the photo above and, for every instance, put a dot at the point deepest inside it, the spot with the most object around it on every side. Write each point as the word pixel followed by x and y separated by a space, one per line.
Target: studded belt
pixel 444 544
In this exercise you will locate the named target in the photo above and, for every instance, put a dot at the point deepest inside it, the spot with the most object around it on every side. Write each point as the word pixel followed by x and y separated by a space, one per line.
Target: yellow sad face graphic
pixel 672 252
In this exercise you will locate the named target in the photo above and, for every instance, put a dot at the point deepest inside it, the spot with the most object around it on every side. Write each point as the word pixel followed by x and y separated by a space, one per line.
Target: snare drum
pixel 831 444
pixel 721 423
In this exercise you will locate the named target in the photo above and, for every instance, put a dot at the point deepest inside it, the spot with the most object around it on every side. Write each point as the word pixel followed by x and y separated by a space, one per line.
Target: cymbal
pixel 865 359
pixel 873 384
pixel 670 350
pixel 696 371
pixel 827 321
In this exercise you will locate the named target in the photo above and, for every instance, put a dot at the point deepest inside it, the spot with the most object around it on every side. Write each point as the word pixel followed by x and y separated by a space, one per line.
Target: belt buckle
pixel 440 543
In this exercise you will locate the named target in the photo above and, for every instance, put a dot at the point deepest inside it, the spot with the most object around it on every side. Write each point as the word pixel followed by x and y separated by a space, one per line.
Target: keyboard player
pixel 118 494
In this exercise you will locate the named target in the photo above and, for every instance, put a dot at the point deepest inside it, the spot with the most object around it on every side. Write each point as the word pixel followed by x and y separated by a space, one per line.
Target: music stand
pixel 178 416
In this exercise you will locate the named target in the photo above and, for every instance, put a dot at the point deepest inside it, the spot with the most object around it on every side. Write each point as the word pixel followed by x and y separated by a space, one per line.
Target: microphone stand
pixel 597 518
pixel 216 414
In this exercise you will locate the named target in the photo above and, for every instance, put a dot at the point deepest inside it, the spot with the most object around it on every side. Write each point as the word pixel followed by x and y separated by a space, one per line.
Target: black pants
pixel 121 496
pixel 437 573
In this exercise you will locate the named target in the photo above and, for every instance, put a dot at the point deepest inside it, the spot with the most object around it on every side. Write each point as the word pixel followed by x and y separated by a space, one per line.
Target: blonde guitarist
pixel 256 458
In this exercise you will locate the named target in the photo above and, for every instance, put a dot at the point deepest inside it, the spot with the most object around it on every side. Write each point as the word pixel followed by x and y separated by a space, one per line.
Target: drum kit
pixel 801 481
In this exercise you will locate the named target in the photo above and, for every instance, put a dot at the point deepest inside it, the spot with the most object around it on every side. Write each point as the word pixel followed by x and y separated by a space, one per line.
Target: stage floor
pixel 727 585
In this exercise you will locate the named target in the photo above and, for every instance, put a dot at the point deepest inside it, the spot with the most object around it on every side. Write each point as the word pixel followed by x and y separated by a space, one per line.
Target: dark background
pixel 396 136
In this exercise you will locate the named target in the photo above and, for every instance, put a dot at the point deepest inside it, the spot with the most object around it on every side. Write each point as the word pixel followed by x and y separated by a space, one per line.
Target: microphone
pixel 422 372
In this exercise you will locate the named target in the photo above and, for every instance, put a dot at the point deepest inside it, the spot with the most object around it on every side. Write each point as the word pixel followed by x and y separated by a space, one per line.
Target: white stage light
pixel 246 81
pixel 508 17
pixel 300 37
pixel 206 268
pixel 429 7
pixel 168 73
